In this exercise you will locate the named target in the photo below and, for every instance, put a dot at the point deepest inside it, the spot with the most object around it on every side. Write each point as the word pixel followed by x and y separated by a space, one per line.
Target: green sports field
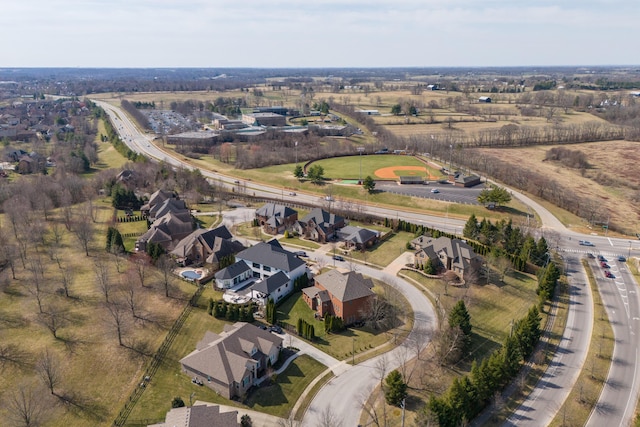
pixel 349 167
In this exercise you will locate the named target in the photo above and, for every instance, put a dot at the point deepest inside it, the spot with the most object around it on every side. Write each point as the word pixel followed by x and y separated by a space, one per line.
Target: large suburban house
pixel 345 295
pixel 272 268
pixel 451 254
pixel 199 416
pixel 319 225
pixel 206 246
pixel 275 218
pixel 232 362
pixel 170 221
pixel 357 237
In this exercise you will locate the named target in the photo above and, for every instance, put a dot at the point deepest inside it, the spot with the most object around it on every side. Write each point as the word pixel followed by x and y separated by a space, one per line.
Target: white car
pixel 585 243
pixel 435 190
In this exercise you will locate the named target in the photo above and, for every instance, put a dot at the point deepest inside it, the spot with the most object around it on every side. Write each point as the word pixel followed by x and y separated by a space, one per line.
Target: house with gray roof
pixel 451 254
pixel 319 225
pixel 199 416
pixel 233 275
pixel 206 245
pixel 345 295
pixel 266 260
pixel 358 237
pixel 231 362
pixel 273 287
pixel 156 198
pixel 166 231
pixel 275 218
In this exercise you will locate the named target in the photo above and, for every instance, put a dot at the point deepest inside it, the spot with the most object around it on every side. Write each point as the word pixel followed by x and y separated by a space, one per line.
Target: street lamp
pixel 296 145
pixel 450 156
pixel 360 150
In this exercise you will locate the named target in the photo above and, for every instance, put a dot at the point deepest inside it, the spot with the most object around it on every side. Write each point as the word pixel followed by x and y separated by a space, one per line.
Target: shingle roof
pixel 225 358
pixel 199 416
pixel 234 270
pixel 356 234
pixel 270 284
pixel 322 218
pixel 272 255
pixel 273 209
pixel 345 287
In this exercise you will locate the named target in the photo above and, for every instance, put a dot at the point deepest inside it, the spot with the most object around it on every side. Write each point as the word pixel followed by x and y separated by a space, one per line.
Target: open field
pixel 614 193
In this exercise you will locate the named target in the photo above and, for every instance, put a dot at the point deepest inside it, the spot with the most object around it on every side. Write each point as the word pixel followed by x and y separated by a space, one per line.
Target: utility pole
pixel 353 351
pixel 296 144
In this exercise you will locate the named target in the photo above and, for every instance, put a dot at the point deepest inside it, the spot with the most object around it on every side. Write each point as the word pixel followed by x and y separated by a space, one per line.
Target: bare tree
pixel 8 252
pixel 48 369
pixel 101 270
pixel 132 299
pixel 11 354
pixel 140 266
pixel 37 283
pixel 67 277
pixel 26 407
pixel 448 343
pixel 328 418
pixel 83 230
pixel 370 407
pixel 166 265
pixel 289 422
pixel 118 318
pixel 53 319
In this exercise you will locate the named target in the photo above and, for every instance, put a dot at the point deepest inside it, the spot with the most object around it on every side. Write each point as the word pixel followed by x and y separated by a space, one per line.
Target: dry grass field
pixel 610 179
pixel 94 373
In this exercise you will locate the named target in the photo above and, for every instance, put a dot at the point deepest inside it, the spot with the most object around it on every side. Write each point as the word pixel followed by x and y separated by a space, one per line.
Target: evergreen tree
pixel 396 389
pixel 459 317
pixel 429 267
pixel 298 172
pixel 369 184
pixel 471 228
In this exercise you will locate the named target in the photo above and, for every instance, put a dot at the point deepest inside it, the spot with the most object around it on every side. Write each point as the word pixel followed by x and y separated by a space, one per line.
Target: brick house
pixel 345 295
pixel 450 254
pixel 275 218
pixel 319 225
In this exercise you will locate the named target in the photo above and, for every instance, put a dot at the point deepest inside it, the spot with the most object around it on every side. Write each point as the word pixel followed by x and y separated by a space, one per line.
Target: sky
pixel 320 33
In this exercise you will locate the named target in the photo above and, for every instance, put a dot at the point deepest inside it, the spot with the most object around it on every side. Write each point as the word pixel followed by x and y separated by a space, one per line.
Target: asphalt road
pixel 447 192
pixel 621 376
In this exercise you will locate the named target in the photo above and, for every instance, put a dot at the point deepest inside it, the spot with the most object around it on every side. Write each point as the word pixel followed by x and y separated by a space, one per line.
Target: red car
pixel 608 274
pixel 604 265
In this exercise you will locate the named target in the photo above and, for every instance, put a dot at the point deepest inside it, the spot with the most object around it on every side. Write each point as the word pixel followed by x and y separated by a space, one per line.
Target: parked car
pixel 609 274
pixel 590 255
pixel 604 265
pixel 585 243
pixel 275 328
pixel 435 190
pixel 601 258
pixel 300 253
pixel 338 258
pixel 622 259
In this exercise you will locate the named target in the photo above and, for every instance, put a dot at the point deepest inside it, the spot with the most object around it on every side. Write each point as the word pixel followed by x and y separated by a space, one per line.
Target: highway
pixel 620 394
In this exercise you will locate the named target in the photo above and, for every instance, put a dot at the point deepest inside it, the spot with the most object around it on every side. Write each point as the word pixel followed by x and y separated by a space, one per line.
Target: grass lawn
pixel 278 399
pixel 342 344
pixel 492 308
pixel 300 242
pixel 383 253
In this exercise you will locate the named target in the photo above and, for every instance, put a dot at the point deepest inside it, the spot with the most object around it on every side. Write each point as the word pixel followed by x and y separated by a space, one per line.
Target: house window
pixel 266 268
pixel 256 265
pixel 256 274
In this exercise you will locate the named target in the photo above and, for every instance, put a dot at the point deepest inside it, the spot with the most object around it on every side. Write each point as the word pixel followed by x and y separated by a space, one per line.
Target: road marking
pixel 610 242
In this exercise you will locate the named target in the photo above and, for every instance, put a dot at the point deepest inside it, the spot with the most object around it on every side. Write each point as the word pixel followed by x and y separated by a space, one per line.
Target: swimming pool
pixel 191 274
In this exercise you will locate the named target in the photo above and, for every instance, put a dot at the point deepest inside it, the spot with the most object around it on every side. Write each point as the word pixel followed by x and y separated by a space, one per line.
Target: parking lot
pixel 446 192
